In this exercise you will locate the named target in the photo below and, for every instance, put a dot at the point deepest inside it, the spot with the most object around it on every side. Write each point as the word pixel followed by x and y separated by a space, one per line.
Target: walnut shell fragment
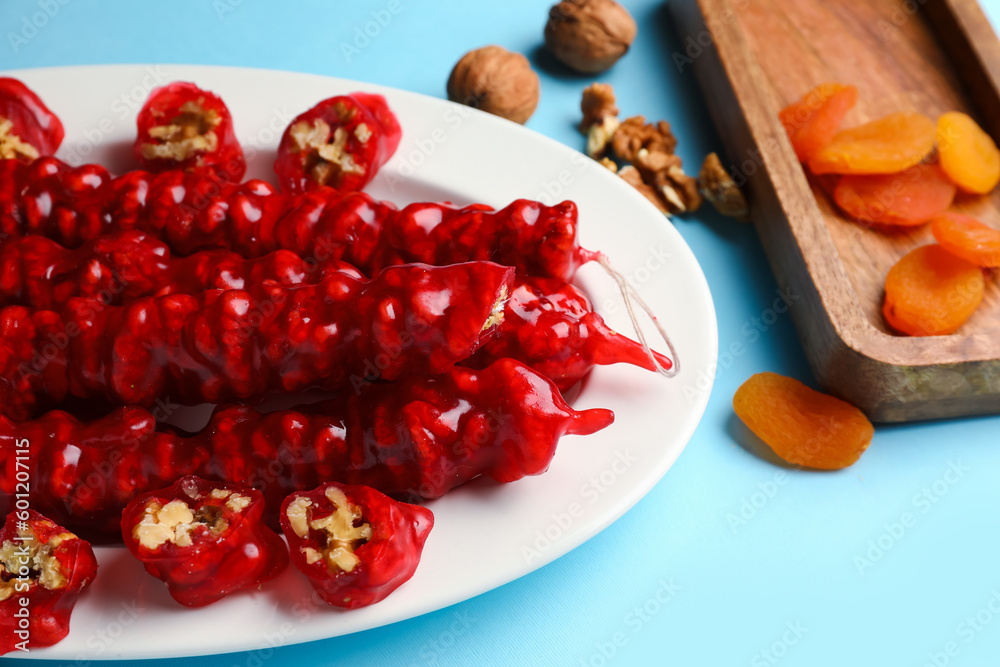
pixel 718 187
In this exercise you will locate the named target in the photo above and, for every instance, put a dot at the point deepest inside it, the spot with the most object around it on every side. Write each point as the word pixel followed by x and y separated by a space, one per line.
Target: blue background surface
pixel 730 560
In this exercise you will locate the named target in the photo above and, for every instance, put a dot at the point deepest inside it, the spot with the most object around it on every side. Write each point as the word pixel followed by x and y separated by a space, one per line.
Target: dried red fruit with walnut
pixel 28 129
pixel 44 569
pixel 204 540
pixel 354 544
pixel 341 142
pixel 182 126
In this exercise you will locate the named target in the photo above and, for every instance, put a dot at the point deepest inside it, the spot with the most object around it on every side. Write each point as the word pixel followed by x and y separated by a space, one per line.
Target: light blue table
pixel 730 560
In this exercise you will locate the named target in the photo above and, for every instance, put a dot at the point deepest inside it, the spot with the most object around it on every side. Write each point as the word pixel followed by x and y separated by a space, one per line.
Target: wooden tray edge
pixel 890 378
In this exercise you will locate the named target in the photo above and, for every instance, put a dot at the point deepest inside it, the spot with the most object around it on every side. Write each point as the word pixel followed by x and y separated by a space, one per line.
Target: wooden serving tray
pixel 753 57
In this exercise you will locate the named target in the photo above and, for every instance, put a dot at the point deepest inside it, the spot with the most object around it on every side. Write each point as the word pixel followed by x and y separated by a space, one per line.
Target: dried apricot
pixel 966 237
pixel 931 292
pixel 812 122
pixel 800 424
pixel 884 146
pixel 967 154
pixel 911 197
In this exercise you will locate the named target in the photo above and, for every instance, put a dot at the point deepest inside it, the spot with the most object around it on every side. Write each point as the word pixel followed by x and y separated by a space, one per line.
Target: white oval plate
pixel 485 534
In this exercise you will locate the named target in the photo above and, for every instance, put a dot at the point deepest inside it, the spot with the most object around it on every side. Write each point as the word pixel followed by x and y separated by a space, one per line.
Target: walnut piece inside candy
pixel 43 567
pixel 341 534
pixel 718 187
pixel 11 146
pixel 325 160
pixel 175 521
pixel 192 131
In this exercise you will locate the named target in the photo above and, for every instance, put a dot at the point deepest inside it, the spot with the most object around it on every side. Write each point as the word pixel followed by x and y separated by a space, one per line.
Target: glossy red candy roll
pixel 188 212
pixel 221 346
pixel 416 438
pixel 125 266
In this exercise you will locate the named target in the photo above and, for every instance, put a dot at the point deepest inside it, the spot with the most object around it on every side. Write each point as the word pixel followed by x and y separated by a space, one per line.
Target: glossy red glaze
pixel 125 266
pixel 550 325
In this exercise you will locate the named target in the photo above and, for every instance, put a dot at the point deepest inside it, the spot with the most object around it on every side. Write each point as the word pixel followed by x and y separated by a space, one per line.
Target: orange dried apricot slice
pixel 911 197
pixel 801 425
pixel 930 292
pixel 967 154
pixel 812 122
pixel 966 237
pixel 884 146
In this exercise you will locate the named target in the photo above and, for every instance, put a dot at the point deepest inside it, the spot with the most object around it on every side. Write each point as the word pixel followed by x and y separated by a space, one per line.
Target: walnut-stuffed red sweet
pixel 205 540
pixel 341 142
pixel 182 126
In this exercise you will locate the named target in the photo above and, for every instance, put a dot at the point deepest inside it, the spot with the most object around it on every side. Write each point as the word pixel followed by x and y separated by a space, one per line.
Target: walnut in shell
pixel 497 81
pixel 589 35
